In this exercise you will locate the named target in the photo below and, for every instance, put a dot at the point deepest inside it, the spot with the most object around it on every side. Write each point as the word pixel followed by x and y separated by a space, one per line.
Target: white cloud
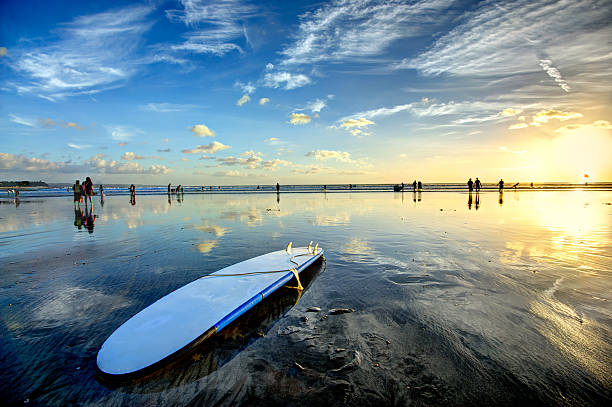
pixel 216 26
pixel 517 126
pixel 263 101
pixel 123 133
pixel 202 130
pixel 244 99
pixel 79 146
pixel 232 173
pixel 271 164
pixel 299 118
pixel 324 155
pixel 21 120
pixel 247 88
pixel 554 73
pixel 290 81
pixel 316 106
pixel 544 116
pixel 269 66
pixel 500 40
pixel 166 107
pixel 510 112
pixel 207 148
pixel 351 29
pixel 272 140
pixel 108 166
pixel 92 53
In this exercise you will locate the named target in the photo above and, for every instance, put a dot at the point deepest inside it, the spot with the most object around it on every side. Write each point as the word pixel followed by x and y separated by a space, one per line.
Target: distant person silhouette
pixel 470 185
pixel 500 184
pixel 414 185
pixel 419 185
pixel 89 190
pixel 277 187
pixel 169 188
pixel 477 184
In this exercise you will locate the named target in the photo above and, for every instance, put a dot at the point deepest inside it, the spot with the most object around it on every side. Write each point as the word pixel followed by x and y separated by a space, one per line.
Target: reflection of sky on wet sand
pixel 525 283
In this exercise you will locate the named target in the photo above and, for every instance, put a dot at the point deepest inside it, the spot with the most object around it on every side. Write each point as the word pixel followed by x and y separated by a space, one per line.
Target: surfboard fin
pixel 288 249
pixel 310 247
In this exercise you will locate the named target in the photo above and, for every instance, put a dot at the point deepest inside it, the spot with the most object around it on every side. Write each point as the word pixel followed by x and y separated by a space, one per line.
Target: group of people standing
pixel 474 185
pixel 84 190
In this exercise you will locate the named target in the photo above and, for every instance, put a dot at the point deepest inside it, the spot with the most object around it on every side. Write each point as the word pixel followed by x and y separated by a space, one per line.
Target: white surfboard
pixel 198 310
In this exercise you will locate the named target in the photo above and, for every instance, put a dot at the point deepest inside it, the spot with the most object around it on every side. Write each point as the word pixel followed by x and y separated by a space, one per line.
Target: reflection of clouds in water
pixel 74 303
pixel 331 220
pixel 217 230
pixel 206 246
pixel 357 246
pixel 251 217
pixel 575 336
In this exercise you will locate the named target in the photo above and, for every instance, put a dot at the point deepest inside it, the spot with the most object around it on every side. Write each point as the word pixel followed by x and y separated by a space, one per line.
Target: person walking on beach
pixel 76 188
pixel 101 191
pixel 477 184
pixel 132 191
pixel 414 185
pixel 277 188
pixel 500 184
pixel 169 189
pixel 88 190
pixel 470 185
pixel 420 185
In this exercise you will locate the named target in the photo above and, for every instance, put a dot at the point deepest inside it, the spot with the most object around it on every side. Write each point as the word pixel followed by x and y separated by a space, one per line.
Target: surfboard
pixel 193 313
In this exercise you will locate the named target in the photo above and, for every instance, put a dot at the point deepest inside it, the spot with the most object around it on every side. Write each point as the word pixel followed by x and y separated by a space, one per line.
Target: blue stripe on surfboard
pixel 247 305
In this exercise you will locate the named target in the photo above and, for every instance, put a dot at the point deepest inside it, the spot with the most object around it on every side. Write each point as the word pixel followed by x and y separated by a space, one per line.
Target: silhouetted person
pixel 169 188
pixel 77 188
pixel 402 186
pixel 414 185
pixel 419 185
pixel 500 184
pixel 132 189
pixel 470 200
pixel 324 187
pixel 477 202
pixel 277 187
pixel 89 191
pixel 101 191
pixel 470 185
pixel 477 184
pixel 532 185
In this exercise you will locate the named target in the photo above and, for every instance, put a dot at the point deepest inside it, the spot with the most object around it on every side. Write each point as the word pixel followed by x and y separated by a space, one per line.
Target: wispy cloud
pixel 247 88
pixel 79 146
pixel 324 155
pixel 166 107
pixel 123 133
pixel 500 40
pixel 285 80
pixel 216 27
pixel 350 29
pixel 263 101
pixel 554 73
pixel 207 148
pixel 22 120
pixel 92 53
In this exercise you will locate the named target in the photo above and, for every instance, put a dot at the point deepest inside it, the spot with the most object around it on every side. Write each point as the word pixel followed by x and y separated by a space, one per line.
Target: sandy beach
pixel 458 299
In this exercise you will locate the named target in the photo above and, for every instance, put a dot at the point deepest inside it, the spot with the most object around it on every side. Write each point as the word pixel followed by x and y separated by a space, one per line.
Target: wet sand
pixel 505 304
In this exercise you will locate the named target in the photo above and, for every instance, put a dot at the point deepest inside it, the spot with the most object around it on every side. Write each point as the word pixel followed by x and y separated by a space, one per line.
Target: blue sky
pixel 239 92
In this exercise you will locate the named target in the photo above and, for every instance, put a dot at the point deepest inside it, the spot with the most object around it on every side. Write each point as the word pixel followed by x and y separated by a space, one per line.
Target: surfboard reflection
pixel 212 354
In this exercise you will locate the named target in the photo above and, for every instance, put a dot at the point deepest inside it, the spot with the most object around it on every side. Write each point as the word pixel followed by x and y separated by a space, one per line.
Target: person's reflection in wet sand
pixel 414 195
pixel 133 199
pixel 90 220
pixel 102 201
pixel 78 218
pixel 169 199
pixel 419 196
pixel 477 202
pixel 17 202
pixel 470 200
pixel 278 197
pixel 501 198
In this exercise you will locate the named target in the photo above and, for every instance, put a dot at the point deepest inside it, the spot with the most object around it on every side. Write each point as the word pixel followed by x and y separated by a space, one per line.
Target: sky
pixel 351 91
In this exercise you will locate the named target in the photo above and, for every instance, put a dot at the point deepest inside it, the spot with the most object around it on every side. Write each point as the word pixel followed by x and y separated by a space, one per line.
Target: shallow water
pixel 458 301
